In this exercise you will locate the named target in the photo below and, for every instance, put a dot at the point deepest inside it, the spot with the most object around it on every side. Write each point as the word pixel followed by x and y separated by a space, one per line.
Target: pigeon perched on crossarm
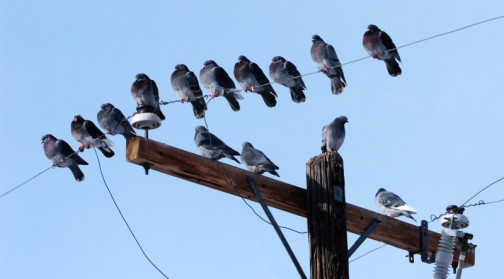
pixel 256 161
pixel 380 46
pixel 333 135
pixel 392 205
pixel 327 62
pixel 112 120
pixel 146 95
pixel 62 155
pixel 252 78
pixel 86 133
pixel 211 146
pixel 215 79
pixel 186 85
pixel 286 73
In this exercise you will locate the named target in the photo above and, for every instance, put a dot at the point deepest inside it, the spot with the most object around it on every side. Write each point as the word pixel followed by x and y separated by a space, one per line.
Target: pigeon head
pixel 181 67
pixel 278 58
pixel 47 138
pixel 343 119
pixel 246 144
pixel 200 129
pixel 141 76
pixel 243 58
pixel 316 38
pixel 381 190
pixel 372 27
pixel 78 118
pixel 107 106
pixel 210 63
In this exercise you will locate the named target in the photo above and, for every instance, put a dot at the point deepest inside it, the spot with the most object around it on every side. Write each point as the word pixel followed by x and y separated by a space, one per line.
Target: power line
pixel 28 180
pixel 488 186
pixel 124 219
pixel 368 252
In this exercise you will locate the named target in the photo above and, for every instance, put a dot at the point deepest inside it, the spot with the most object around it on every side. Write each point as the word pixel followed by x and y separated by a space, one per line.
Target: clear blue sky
pixel 434 135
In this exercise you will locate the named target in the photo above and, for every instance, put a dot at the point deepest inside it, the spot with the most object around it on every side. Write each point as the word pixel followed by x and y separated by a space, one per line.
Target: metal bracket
pixel 250 181
pixel 363 237
pixel 424 230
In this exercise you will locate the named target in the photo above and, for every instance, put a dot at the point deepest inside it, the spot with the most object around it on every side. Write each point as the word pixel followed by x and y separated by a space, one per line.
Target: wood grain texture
pixel 284 196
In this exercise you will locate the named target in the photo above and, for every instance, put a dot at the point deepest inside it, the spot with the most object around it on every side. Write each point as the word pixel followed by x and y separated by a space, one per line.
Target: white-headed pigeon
pixel 211 146
pixel 327 62
pixel 333 135
pixel 112 120
pixel 380 46
pixel 256 161
pixel 252 78
pixel 186 85
pixel 146 95
pixel 62 155
pixel 286 73
pixel 86 133
pixel 215 79
pixel 392 205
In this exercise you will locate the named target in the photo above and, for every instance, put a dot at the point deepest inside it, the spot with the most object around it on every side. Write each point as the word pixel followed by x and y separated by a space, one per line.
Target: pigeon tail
pixel 336 85
pixel 232 158
pixel 129 135
pixel 393 67
pixel 407 214
pixel 233 103
pixel 77 173
pixel 272 171
pixel 107 152
pixel 269 99
pixel 297 94
pixel 159 113
pixel 199 107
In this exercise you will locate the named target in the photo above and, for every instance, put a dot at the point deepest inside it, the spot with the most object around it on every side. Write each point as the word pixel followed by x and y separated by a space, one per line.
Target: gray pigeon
pixel 333 135
pixel 256 161
pixel 215 79
pixel 327 62
pixel 86 133
pixel 211 146
pixel 380 46
pixel 286 73
pixel 392 205
pixel 186 85
pixel 251 78
pixel 112 120
pixel 146 95
pixel 62 155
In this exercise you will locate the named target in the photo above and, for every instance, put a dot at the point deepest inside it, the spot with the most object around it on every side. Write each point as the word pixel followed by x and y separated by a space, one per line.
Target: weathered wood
pixel 281 195
pixel 327 217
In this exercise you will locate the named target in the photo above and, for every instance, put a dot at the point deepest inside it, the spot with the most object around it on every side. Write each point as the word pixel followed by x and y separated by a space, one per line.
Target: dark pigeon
pixel 327 62
pixel 333 135
pixel 392 205
pixel 211 146
pixel 186 85
pixel 146 95
pixel 215 79
pixel 256 161
pixel 62 155
pixel 286 73
pixel 380 46
pixel 112 120
pixel 251 78
pixel 86 133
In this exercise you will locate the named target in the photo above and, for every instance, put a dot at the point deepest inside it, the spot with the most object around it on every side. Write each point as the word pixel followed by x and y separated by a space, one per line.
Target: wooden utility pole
pixel 278 194
pixel 327 217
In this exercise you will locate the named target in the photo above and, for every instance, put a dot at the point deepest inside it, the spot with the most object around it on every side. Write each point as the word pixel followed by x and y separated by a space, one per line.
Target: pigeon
pixel 392 205
pixel 145 93
pixel 217 81
pixel 333 135
pixel 256 161
pixel 211 146
pixel 380 46
pixel 86 133
pixel 62 155
pixel 186 85
pixel 251 78
pixel 286 73
pixel 327 62
pixel 112 120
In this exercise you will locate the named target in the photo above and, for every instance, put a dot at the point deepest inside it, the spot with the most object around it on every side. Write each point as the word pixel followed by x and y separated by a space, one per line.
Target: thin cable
pixel 488 186
pixel 368 252
pixel 124 219
pixel 28 180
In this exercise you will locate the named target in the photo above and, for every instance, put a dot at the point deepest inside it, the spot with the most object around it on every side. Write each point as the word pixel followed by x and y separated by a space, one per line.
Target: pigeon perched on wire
pixel 186 85
pixel 392 205
pixel 380 46
pixel 146 95
pixel 62 155
pixel 286 73
pixel 327 62
pixel 112 120
pixel 333 135
pixel 86 133
pixel 211 146
pixel 256 161
pixel 215 79
pixel 251 78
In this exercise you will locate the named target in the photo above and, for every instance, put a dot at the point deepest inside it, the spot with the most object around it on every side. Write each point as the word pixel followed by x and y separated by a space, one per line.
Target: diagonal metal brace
pixel 250 181
pixel 363 237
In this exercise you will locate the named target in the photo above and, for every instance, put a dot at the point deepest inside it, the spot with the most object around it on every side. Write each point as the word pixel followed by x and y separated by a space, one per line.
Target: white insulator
pixel 146 121
pixel 444 254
